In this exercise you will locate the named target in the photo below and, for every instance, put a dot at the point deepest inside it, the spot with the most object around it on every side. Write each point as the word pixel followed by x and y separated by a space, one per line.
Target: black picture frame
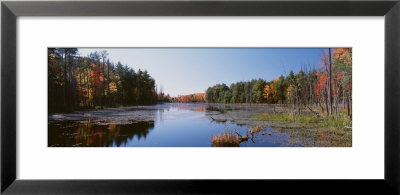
pixel 10 10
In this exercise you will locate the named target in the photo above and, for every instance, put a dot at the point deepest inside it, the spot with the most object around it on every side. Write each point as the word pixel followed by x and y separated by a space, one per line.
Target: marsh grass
pixel 226 139
pixel 343 122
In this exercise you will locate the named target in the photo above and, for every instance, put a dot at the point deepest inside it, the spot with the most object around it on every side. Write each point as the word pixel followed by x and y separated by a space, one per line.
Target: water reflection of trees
pixel 93 135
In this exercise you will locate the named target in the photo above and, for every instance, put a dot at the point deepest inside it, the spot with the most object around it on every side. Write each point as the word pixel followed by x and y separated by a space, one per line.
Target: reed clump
pixel 226 139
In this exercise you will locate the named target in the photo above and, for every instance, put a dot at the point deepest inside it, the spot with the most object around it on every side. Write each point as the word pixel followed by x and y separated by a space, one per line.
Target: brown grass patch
pixel 226 139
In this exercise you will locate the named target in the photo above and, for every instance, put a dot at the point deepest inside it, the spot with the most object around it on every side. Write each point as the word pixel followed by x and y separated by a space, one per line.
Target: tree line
pixel 329 87
pixel 196 97
pixel 76 82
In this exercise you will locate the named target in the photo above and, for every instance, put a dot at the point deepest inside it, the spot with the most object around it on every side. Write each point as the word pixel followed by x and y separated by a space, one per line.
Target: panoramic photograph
pixel 199 97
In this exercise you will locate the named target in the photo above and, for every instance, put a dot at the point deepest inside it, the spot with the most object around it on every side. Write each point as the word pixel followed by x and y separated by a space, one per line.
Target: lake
pixel 161 125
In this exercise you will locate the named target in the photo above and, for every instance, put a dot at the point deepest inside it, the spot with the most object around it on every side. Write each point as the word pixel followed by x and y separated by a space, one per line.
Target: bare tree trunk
pixel 88 89
pixel 108 83
pixel 343 99
pixel 336 106
pixel 108 75
pixel 102 85
pixel 70 100
pixel 349 106
pixel 81 97
pixel 73 89
pixel 65 80
pixel 322 107
pixel 326 102
pixel 99 87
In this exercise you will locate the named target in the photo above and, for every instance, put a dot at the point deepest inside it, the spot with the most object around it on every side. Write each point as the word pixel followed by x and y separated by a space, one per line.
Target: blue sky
pixel 183 71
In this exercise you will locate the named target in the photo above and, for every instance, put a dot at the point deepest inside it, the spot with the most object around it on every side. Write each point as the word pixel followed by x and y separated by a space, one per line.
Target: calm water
pixel 163 125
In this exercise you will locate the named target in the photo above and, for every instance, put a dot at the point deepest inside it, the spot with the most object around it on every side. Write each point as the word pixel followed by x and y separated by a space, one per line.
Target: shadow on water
pixel 87 134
